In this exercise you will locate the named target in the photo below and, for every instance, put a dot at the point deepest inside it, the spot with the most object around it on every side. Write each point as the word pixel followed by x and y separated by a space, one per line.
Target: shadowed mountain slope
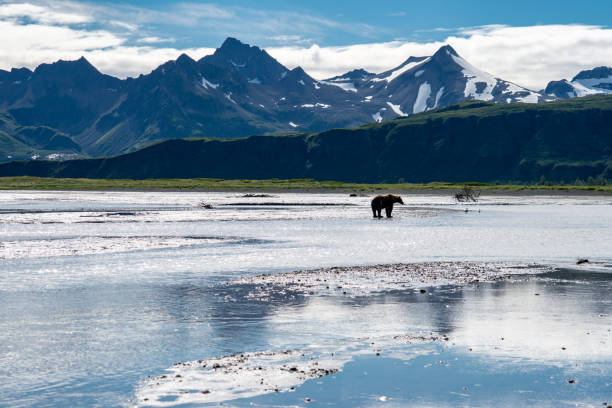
pixel 474 141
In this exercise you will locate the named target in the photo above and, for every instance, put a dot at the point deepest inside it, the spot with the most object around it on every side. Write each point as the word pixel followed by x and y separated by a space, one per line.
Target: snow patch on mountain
pixel 396 109
pixel 475 79
pixel 254 81
pixel 207 84
pixel 229 98
pixel 582 87
pixel 593 82
pixel 347 86
pixel 531 98
pixel 438 96
pixel 377 117
pixel 396 73
pixel 293 125
pixel 313 105
pixel 420 104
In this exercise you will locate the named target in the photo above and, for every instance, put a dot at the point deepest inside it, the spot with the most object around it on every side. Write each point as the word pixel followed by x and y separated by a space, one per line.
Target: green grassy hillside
pixel 561 142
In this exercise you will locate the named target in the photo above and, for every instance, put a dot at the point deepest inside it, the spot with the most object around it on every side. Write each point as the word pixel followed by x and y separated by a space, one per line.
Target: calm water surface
pixel 98 291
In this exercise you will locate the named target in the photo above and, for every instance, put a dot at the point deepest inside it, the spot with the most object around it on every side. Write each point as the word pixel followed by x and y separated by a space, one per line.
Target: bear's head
pixel 398 199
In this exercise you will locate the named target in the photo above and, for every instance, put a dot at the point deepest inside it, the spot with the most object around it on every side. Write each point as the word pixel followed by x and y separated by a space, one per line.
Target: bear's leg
pixel 388 210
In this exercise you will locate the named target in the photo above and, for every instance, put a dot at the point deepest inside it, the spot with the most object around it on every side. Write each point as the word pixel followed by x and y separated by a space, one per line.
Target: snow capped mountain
pixel 425 83
pixel 240 90
pixel 589 82
pixel 251 62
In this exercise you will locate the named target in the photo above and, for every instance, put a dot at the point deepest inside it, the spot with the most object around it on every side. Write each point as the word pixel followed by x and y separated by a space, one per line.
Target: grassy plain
pixel 209 184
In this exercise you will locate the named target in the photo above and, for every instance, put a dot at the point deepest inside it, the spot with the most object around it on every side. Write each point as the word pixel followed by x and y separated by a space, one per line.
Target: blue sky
pixel 525 41
pixel 358 21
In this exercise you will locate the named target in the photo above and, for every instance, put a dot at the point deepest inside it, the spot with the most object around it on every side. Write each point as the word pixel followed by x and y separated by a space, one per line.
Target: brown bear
pixel 384 201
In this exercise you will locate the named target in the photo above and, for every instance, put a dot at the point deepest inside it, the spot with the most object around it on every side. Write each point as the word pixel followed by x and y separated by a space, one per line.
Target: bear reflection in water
pixel 384 201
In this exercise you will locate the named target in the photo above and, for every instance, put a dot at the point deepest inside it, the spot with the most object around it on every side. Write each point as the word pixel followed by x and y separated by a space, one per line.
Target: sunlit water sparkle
pixel 99 290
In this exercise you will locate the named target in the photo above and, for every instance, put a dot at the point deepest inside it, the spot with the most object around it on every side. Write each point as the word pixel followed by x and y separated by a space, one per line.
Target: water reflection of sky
pixel 506 344
pixel 85 328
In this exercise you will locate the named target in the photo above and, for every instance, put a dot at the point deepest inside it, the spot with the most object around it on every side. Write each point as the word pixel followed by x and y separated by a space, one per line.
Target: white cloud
pixel 529 56
pixel 41 14
pixel 123 24
pixel 34 44
pixel 154 40
pixel 45 31
pixel 325 62
pixel 127 61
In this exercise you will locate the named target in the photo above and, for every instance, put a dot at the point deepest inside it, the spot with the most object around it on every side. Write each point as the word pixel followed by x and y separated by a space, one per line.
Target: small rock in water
pixel 582 260
pixel 571 381
pixel 383 398
pixel 306 399
pixel 423 291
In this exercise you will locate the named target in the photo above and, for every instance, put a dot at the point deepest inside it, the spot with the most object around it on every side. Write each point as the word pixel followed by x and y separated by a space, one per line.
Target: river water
pixel 101 293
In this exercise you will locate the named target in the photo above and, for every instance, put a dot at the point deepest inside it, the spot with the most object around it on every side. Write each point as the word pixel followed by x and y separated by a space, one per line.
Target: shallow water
pixel 98 291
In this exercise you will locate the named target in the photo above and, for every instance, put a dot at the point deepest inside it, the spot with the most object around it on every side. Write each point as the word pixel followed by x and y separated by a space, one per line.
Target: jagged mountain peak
pixel 241 90
pixel 74 75
pixel 232 46
pixel 238 53
pixel 588 82
pixel 16 70
pixel 69 66
pixel 251 62
pixel 356 74
pixel 446 50
pixel 184 58
pixel 396 72
pixel 447 56
pixel 298 71
pixel 184 63
pixel 16 74
pixel 560 89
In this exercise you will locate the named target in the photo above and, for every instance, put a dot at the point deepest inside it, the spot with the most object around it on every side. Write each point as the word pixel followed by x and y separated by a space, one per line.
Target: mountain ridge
pixel 560 142
pixel 239 90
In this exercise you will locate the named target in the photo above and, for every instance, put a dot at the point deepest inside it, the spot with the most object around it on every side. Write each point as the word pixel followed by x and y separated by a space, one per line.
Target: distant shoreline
pixel 286 186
